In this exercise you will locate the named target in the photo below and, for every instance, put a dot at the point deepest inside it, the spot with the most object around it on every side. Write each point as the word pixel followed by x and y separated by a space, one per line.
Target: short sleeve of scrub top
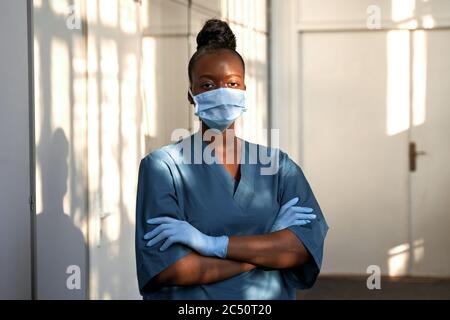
pixel 293 184
pixel 157 196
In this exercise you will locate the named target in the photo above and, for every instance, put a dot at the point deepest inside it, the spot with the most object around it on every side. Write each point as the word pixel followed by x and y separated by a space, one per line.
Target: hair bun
pixel 217 34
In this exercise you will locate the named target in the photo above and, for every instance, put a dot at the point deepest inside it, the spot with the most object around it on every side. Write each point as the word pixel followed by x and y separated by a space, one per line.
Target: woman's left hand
pixel 291 215
pixel 176 231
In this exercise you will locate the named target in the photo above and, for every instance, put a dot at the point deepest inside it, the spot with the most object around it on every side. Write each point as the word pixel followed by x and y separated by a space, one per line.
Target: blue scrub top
pixel 209 198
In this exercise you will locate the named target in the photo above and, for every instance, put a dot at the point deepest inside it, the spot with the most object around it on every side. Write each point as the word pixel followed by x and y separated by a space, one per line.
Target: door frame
pixel 32 147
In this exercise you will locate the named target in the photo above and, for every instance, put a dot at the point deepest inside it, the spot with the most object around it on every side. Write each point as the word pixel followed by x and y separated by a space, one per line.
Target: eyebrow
pixel 212 76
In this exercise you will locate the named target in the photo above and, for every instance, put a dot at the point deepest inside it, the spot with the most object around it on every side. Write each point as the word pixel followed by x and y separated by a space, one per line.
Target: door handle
pixel 413 154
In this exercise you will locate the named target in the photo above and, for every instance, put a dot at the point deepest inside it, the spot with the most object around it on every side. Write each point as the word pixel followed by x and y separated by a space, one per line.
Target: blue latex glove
pixel 290 215
pixel 177 231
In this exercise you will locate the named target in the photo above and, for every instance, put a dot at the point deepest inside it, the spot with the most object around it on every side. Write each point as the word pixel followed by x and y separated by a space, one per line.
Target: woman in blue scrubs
pixel 233 227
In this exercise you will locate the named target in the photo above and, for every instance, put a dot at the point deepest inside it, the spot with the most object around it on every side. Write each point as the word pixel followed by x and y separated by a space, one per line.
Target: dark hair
pixel 215 35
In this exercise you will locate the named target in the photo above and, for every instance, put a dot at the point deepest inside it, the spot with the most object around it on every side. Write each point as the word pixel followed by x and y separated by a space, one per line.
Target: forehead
pixel 218 63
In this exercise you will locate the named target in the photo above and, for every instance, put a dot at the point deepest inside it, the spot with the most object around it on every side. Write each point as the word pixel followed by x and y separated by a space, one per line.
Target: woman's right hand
pixel 290 215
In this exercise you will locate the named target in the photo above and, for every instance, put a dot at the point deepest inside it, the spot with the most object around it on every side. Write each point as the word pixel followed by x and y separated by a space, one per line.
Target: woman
pixel 220 229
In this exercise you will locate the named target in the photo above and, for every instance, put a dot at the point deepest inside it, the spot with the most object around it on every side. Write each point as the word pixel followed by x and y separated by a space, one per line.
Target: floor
pixel 354 288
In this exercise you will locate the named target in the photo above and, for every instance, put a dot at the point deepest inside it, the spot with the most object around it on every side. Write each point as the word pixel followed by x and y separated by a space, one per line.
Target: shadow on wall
pixel 87 98
pixel 60 243
pixel 60 197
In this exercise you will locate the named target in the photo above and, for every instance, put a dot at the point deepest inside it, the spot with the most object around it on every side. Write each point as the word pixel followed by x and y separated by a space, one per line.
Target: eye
pixel 233 84
pixel 207 86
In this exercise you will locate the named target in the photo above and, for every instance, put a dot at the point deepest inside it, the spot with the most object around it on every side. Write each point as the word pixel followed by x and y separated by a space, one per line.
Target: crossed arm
pixel 278 250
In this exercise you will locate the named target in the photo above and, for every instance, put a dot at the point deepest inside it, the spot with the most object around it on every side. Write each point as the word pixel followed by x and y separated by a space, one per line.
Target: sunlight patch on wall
pixel 419 77
pixel 94 282
pixel 144 14
pixel 129 124
pixel 93 118
pixel 149 87
pixel 92 12
pixel 399 257
pixel 60 7
pixel 419 250
pixel 128 16
pixel 110 179
pixel 37 4
pixel 428 22
pixel 108 11
pixel 398 260
pixel 402 10
pixel 398 82
pixel 60 97
pixel 79 91
pixel 60 69
pixel 38 120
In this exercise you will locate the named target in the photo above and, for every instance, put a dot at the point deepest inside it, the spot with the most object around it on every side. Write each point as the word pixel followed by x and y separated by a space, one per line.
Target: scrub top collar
pixel 244 192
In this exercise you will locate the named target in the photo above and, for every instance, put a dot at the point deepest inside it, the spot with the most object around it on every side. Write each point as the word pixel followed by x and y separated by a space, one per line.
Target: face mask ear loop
pixel 193 99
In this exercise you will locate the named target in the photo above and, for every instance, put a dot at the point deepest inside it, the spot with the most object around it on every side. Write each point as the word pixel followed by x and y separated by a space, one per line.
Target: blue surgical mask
pixel 219 108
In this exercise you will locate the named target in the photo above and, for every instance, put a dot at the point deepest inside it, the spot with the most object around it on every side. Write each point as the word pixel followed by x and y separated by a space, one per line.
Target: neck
pixel 226 143
pixel 228 136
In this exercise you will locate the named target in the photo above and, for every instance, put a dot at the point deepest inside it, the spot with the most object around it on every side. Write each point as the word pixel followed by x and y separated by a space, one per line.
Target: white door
pixel 366 96
pixel 355 154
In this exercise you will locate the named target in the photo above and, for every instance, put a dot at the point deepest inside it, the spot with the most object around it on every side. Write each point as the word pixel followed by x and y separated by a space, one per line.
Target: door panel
pixel 356 164
pixel 356 138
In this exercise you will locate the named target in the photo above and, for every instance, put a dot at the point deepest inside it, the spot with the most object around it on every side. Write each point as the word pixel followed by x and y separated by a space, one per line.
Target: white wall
pixel 15 245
